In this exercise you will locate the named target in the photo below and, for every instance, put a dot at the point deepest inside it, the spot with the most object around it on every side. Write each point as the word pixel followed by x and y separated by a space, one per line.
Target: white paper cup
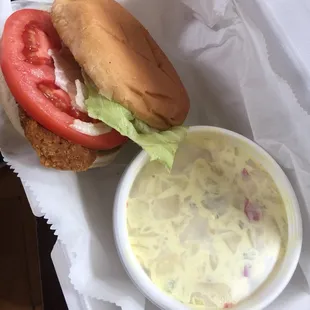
pixel 278 279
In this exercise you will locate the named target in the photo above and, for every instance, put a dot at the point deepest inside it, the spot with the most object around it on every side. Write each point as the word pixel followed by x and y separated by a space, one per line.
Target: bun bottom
pixel 10 107
pixel 103 159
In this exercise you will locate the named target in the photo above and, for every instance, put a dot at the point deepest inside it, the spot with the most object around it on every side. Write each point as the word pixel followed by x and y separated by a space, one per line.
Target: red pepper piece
pixel 252 211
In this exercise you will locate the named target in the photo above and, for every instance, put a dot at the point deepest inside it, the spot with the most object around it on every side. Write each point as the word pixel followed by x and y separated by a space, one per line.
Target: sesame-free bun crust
pixel 122 59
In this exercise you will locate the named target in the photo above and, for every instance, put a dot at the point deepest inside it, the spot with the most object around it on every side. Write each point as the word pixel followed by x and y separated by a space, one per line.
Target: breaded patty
pixel 54 151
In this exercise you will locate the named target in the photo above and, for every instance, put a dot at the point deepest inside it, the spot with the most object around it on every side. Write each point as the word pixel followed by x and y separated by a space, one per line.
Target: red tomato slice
pixel 29 72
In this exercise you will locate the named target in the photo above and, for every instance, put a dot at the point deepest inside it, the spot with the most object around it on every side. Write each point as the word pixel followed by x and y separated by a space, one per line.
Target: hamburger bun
pixel 122 59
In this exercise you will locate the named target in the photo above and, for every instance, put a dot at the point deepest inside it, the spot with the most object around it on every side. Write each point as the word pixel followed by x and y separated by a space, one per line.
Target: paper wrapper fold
pixel 224 62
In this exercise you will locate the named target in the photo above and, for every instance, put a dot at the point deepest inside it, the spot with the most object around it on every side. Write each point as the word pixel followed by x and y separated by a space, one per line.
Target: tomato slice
pixel 29 72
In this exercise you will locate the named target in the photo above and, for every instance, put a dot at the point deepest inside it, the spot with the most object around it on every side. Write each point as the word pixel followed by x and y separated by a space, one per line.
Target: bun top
pixel 122 59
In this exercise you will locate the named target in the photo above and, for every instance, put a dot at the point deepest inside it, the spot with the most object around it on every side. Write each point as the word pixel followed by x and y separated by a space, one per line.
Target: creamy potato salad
pixel 211 231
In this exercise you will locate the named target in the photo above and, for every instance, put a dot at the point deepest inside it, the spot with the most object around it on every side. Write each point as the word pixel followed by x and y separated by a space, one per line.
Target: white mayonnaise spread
pixel 68 77
pixel 90 129
pixel 210 232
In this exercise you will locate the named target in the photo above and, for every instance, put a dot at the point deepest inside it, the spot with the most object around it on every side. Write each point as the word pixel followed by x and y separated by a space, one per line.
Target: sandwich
pixel 86 77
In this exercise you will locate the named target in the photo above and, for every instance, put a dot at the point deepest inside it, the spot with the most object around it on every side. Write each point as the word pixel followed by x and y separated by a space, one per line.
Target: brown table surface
pixel 28 278
pixel 53 298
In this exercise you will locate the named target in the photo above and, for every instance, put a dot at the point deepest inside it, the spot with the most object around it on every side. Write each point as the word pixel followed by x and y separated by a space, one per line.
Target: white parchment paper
pixel 224 63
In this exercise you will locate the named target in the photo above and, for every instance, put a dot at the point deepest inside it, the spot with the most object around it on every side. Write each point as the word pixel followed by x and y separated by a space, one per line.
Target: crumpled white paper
pixel 223 61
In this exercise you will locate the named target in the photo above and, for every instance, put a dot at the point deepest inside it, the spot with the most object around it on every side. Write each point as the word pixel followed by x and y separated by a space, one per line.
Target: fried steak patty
pixel 54 151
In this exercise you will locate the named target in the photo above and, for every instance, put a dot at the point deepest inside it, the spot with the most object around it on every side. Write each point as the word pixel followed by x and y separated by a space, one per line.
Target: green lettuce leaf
pixel 160 145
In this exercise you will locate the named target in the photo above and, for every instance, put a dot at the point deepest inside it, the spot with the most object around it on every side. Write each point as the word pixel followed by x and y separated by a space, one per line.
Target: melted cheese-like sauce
pixel 210 232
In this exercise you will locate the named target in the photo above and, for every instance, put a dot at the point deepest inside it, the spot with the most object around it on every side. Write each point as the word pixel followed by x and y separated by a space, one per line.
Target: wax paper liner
pixel 223 61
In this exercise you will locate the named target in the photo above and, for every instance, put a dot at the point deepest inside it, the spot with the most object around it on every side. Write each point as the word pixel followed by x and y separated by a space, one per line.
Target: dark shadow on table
pixel 53 298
